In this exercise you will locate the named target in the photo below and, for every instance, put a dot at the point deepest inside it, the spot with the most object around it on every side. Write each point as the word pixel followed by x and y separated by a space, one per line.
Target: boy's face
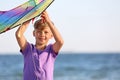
pixel 42 35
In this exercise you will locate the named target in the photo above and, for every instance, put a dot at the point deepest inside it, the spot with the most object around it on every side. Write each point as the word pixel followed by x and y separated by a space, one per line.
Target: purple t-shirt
pixel 38 64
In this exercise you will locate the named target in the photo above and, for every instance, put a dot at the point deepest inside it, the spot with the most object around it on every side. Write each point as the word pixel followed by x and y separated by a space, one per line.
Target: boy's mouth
pixel 41 38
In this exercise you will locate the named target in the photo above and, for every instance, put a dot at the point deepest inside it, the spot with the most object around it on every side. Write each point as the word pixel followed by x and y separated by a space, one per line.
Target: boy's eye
pixel 38 31
pixel 46 32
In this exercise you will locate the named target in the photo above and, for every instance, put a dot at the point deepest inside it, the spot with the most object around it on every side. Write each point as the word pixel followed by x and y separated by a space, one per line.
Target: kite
pixel 24 12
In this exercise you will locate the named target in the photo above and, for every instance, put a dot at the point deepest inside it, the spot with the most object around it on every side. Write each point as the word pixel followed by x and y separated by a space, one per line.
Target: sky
pixel 85 25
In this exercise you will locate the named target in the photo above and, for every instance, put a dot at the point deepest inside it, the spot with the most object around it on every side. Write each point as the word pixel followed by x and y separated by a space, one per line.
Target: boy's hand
pixel 45 17
pixel 26 23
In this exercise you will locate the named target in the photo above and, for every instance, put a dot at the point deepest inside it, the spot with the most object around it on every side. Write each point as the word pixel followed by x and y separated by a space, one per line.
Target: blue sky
pixel 86 25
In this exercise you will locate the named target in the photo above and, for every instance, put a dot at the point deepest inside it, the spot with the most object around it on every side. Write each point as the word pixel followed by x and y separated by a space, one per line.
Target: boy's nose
pixel 42 33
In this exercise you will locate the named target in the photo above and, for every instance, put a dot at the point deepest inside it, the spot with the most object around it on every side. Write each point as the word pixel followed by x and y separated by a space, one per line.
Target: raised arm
pixel 58 38
pixel 20 35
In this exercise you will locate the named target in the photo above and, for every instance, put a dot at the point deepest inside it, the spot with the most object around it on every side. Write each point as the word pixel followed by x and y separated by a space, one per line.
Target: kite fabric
pixel 18 15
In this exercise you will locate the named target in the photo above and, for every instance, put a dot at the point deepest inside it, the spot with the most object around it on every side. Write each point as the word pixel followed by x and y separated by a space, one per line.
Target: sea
pixel 68 66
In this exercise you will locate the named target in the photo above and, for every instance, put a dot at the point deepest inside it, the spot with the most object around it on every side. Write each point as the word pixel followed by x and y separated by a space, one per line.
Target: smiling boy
pixel 39 58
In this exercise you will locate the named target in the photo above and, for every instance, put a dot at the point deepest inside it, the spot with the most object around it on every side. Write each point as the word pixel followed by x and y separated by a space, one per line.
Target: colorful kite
pixel 28 10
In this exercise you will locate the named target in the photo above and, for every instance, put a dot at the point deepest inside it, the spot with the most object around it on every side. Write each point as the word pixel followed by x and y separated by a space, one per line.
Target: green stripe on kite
pixel 29 10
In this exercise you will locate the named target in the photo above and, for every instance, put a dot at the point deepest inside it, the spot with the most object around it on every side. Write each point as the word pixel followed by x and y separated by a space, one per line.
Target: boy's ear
pixel 34 33
pixel 51 36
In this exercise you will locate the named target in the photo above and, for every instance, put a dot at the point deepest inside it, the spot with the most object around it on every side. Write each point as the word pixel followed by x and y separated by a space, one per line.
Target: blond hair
pixel 40 23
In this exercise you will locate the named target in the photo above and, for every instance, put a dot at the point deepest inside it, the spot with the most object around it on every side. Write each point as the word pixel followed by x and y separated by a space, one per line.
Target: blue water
pixel 68 67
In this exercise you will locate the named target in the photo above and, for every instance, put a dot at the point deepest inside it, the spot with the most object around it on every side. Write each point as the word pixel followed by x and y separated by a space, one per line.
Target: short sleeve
pixel 26 50
pixel 52 51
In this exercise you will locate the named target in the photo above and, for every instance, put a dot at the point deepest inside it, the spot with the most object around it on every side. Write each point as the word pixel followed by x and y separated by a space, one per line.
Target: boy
pixel 39 58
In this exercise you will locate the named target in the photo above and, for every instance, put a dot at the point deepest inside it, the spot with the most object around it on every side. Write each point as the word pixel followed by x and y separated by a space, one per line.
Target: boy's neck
pixel 40 47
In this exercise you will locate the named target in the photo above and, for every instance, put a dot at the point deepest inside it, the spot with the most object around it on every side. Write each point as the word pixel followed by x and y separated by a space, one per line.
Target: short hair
pixel 39 23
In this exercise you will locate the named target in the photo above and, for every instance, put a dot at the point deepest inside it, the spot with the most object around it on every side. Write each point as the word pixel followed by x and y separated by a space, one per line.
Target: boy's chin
pixel 42 42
